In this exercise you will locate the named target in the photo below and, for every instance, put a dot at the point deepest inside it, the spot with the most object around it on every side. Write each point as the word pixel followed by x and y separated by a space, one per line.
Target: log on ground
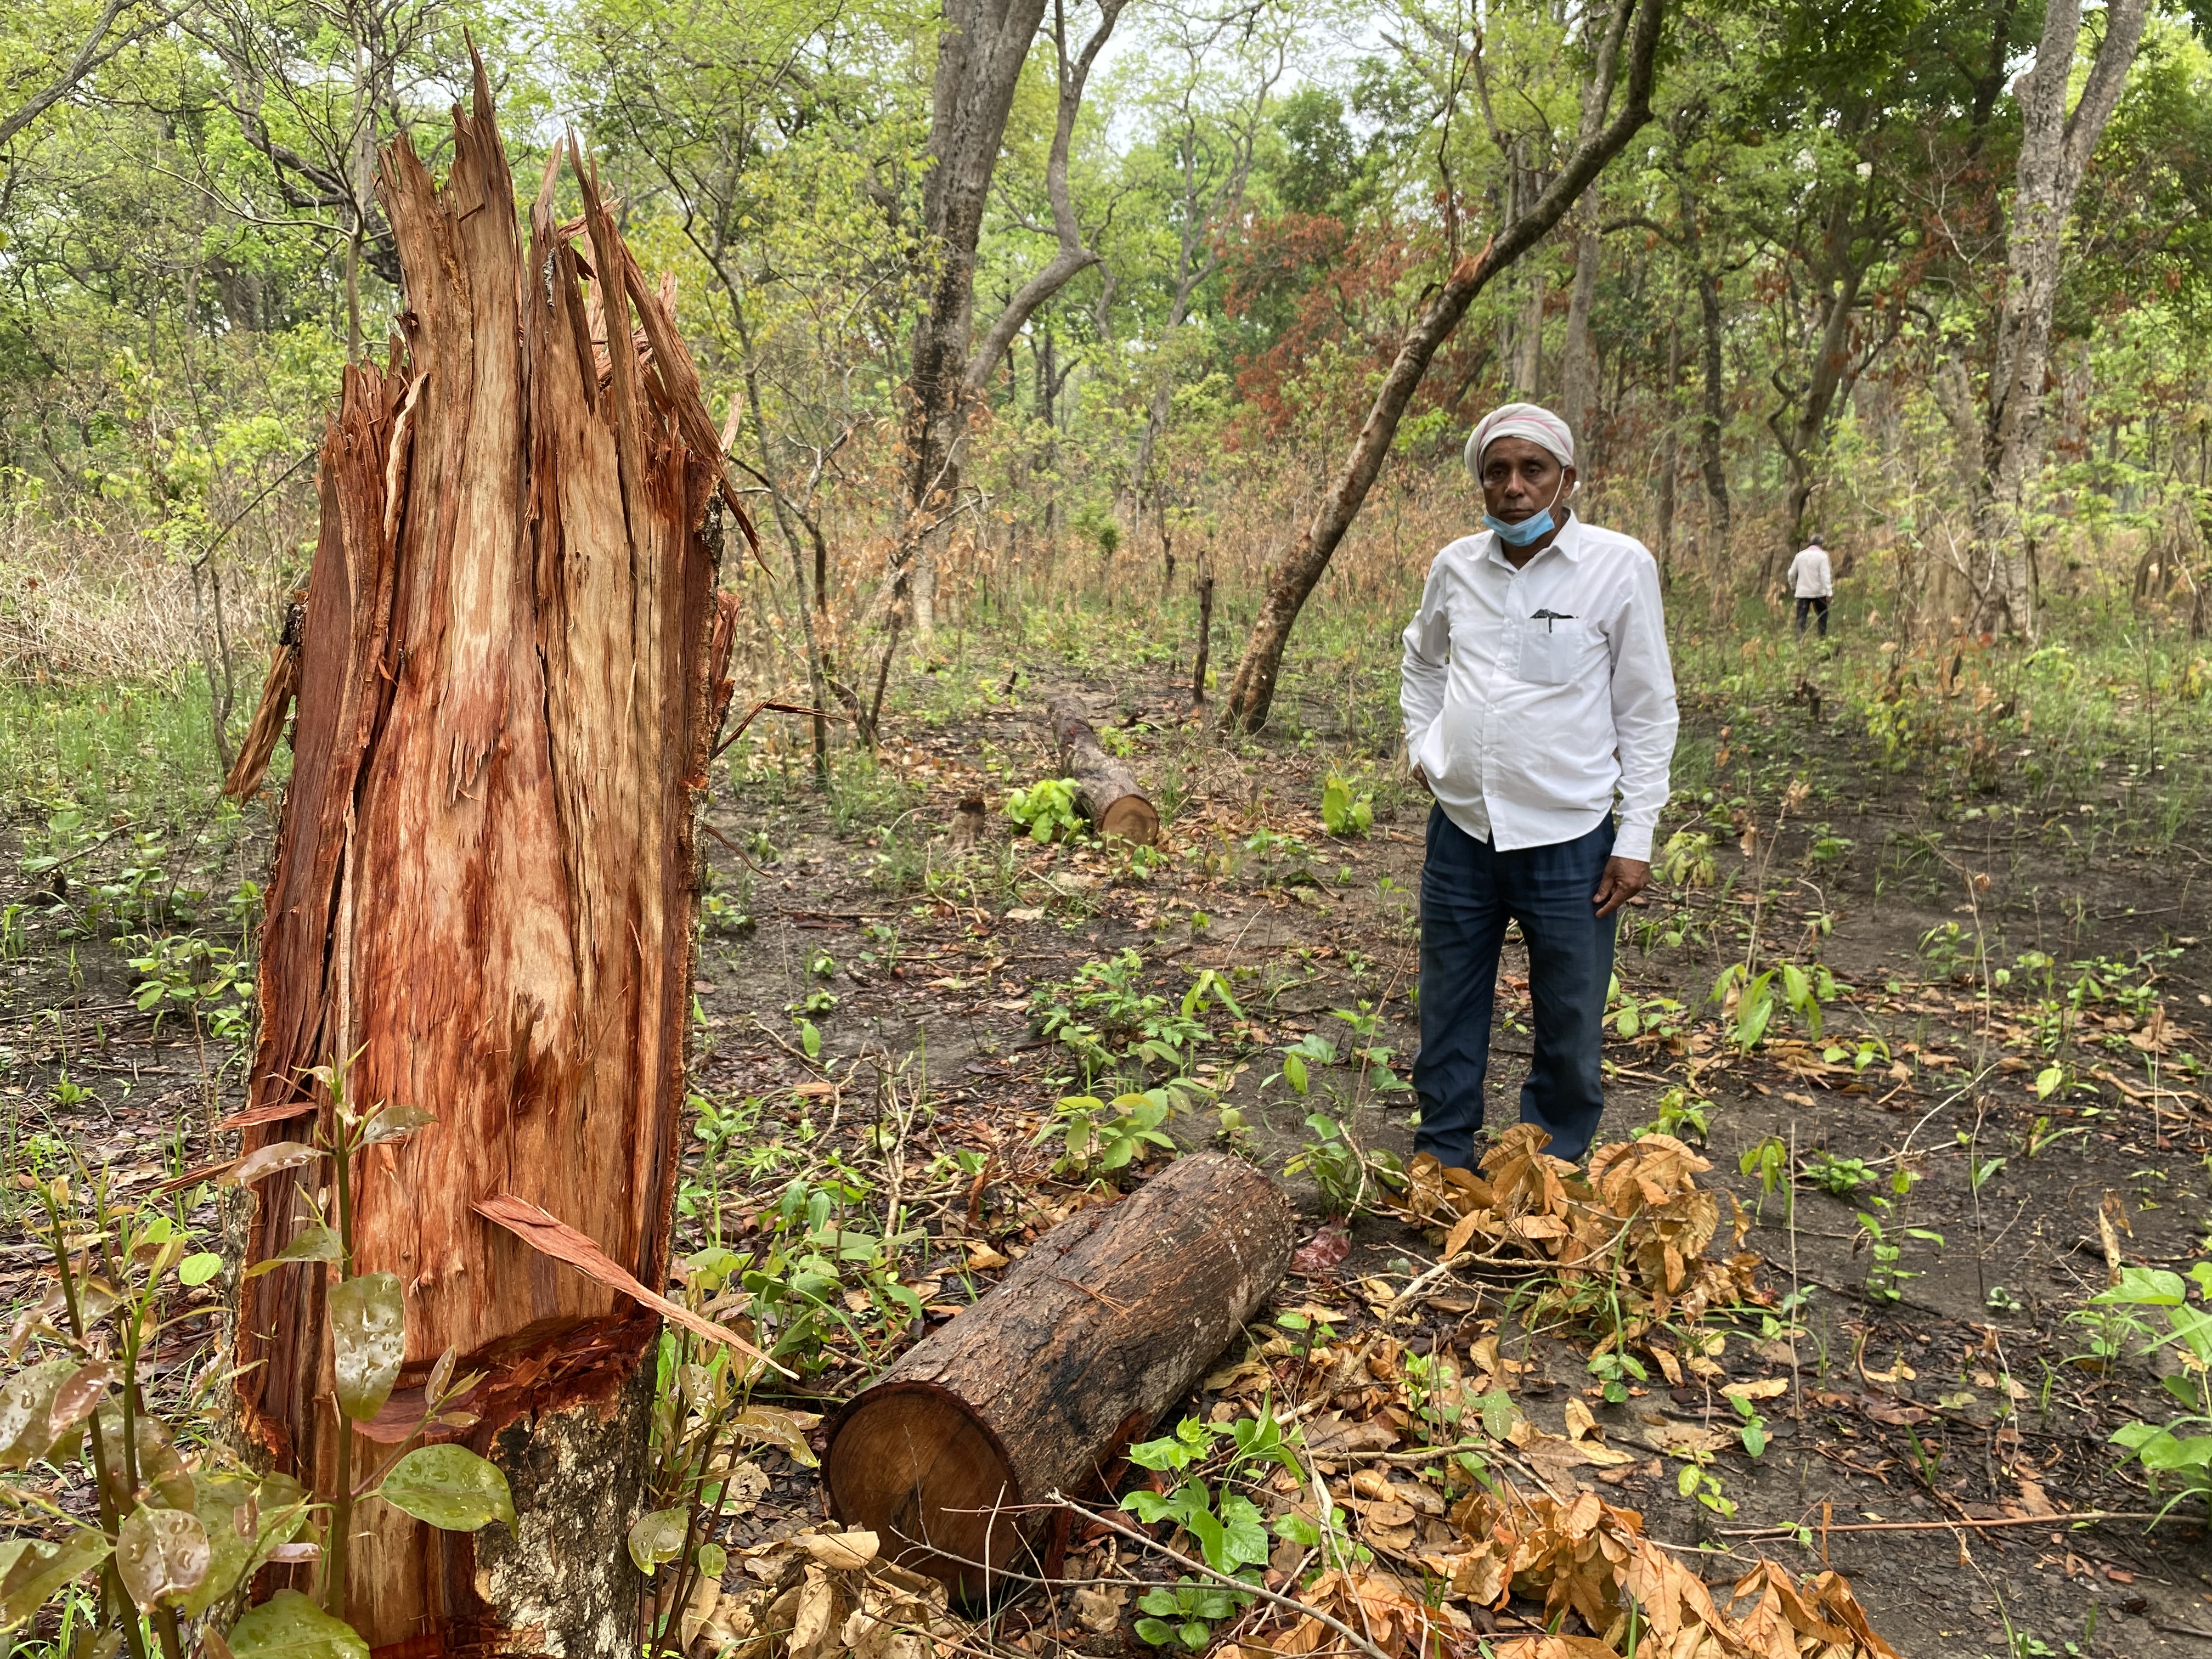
pixel 1107 1322
pixel 1105 789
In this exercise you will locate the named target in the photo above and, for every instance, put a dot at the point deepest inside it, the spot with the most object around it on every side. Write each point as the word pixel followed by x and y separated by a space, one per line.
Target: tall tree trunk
pixel 1528 370
pixel 1578 365
pixel 1252 695
pixel 2054 147
pixel 978 66
pixel 1670 455
pixel 1713 418
pixel 484 885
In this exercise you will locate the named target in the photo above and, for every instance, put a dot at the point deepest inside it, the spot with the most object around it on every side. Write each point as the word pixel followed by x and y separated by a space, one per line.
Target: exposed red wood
pixel 485 875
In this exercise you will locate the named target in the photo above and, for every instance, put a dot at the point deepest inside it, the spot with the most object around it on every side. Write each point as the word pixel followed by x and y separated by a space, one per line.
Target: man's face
pixel 1521 478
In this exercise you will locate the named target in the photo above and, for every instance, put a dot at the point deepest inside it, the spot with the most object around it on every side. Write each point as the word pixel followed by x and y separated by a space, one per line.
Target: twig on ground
pixel 2078 1518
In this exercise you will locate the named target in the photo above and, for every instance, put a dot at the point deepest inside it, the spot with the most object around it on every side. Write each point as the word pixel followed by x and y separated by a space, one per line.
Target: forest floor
pixel 2002 1108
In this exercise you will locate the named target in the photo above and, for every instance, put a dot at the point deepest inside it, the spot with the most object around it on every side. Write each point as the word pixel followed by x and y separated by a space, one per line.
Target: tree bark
pixel 1578 363
pixel 1670 455
pixel 2055 148
pixel 485 881
pixel 1105 789
pixel 1105 1324
pixel 1205 640
pixel 1252 694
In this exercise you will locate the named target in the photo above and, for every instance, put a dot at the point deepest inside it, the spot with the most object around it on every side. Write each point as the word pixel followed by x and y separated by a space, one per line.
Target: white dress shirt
pixel 1525 724
pixel 1810 577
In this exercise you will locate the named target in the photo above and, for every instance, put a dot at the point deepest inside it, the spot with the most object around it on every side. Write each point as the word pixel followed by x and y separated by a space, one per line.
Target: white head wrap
pixel 1530 421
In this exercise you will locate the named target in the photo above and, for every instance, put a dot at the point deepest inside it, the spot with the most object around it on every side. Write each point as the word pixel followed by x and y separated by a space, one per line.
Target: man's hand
pixel 1422 778
pixel 1623 880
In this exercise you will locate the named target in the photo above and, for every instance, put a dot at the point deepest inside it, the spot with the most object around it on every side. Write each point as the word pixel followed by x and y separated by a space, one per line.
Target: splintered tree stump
pixel 1105 789
pixel 1106 1323
pixel 485 886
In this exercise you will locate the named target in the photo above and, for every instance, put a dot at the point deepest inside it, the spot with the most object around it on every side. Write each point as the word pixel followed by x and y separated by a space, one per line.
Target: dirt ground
pixel 1892 1413
pixel 1960 1398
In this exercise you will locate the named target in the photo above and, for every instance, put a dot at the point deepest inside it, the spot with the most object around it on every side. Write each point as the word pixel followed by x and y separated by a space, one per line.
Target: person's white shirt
pixel 1530 696
pixel 1810 575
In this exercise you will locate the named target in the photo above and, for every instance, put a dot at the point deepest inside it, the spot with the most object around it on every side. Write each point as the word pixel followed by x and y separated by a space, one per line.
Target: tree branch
pixel 1072 256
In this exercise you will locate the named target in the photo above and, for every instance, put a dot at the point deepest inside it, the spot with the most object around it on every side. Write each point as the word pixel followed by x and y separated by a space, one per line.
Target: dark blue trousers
pixel 1469 891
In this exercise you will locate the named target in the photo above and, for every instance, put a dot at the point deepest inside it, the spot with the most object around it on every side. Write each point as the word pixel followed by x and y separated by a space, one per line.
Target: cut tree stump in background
pixel 1106 790
pixel 1106 1323
pixel 485 884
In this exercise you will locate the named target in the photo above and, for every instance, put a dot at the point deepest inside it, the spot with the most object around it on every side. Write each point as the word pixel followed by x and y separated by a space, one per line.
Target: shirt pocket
pixel 1557 651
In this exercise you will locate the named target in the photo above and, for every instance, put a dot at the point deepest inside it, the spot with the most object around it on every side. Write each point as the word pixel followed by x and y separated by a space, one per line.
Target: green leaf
pixel 40 1571
pixel 395 1123
pixel 1498 1411
pixel 1244 1532
pixel 26 1411
pixel 786 1430
pixel 314 1242
pixel 266 1161
pixel 1754 1436
pixel 1152 1630
pixel 659 1536
pixel 369 1338
pixel 1294 1072
pixel 2147 1287
pixel 162 1555
pixel 1213 1537
pixel 2167 1450
pixel 289 1626
pixel 198 1268
pixel 270 1515
pixel 161 1470
pixel 1195 1634
pixel 451 1487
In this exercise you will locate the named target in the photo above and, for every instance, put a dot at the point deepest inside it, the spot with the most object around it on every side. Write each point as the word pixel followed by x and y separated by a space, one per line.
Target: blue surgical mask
pixel 1529 529
pixel 1535 527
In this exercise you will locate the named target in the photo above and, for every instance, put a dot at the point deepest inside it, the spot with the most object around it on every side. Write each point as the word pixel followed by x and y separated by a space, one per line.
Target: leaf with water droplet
pixel 450 1487
pixel 368 1339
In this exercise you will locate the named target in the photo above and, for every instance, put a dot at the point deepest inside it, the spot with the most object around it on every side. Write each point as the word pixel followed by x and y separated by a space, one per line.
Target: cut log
pixel 1105 789
pixel 1105 1324
pixel 485 885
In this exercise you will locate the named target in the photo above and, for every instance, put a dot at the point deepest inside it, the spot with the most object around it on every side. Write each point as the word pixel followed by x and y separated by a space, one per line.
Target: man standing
pixel 1535 684
pixel 1814 582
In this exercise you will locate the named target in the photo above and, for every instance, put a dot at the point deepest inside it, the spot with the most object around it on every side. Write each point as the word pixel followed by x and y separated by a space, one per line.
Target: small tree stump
pixel 1105 789
pixel 1105 1324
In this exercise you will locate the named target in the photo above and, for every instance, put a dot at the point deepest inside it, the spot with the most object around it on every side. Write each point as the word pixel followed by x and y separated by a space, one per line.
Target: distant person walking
pixel 1813 581
pixel 1535 689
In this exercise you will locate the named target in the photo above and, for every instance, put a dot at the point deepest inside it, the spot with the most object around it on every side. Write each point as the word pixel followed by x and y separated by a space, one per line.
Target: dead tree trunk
pixel 484 883
pixel 1105 789
pixel 1103 1325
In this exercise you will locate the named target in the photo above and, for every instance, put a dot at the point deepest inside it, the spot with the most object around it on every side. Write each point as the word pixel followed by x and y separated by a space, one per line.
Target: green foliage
pixel 1228 1527
pixel 1343 813
pixel 1047 810
pixel 1683 1115
pixel 2179 1448
pixel 1111 1022
pixel 176 1536
pixel 1350 1179
pixel 1841 1177
pixel 1686 859
pixel 1106 1139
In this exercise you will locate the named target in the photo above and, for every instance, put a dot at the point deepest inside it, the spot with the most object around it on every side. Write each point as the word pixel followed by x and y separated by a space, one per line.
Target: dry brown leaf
pixel 1765 1389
